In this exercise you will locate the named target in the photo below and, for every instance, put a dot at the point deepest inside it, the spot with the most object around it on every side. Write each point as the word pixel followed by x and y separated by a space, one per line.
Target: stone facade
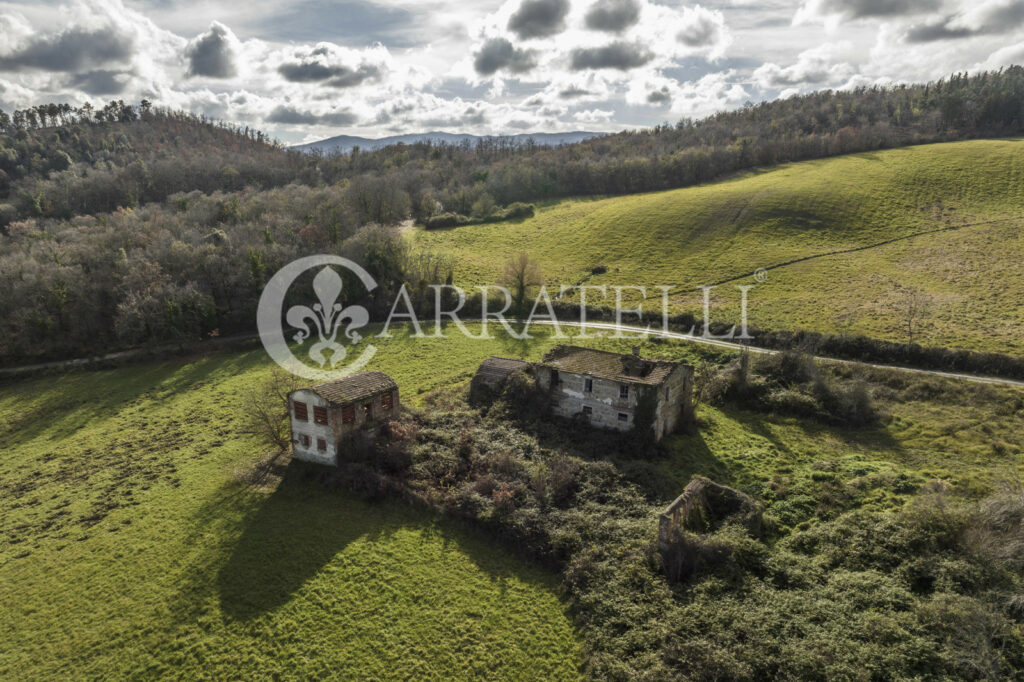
pixel 609 389
pixel 325 418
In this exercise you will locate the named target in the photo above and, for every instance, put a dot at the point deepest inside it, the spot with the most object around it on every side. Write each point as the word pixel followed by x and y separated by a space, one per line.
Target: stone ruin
pixel 703 506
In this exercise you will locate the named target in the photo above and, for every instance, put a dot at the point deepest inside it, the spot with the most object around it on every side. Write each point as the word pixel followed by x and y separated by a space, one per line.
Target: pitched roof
pixel 494 369
pixel 354 387
pixel 629 369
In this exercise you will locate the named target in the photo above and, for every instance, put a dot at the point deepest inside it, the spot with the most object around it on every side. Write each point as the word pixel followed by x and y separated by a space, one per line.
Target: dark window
pixel 623 391
pixel 320 415
pixel 348 414
pixel 301 412
pixel 304 439
pixel 668 392
pixel 368 411
pixel 588 385
pixel 554 377
pixel 623 417
pixel 321 444
pixel 387 401
pixel 588 410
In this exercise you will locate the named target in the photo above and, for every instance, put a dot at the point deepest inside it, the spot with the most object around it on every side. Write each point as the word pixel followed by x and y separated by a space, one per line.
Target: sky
pixel 310 69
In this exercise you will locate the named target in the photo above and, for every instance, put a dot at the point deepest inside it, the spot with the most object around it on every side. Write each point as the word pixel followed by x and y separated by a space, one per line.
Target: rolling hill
pixel 142 537
pixel 343 144
pixel 836 237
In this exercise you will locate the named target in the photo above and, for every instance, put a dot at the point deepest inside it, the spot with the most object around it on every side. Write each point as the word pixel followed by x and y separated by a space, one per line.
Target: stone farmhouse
pixel 610 390
pixel 324 417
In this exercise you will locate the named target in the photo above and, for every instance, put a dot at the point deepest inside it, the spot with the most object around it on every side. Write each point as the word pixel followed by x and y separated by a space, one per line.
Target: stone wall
pixel 569 396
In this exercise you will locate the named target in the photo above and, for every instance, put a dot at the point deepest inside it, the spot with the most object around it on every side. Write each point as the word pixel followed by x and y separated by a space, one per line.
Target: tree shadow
pixel 522 347
pixel 77 398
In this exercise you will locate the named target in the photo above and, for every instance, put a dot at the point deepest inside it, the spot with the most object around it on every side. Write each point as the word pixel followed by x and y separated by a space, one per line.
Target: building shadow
pixel 301 527
pixel 286 541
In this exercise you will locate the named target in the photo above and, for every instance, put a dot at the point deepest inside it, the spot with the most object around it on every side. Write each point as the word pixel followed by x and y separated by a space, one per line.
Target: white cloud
pixel 817 67
pixel 470 66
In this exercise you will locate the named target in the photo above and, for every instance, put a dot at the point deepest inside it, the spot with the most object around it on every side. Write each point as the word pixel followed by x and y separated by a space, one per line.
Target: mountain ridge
pixel 343 144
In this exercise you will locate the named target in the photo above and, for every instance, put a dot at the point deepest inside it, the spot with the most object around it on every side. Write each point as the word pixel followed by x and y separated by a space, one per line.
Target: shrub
pixel 446 220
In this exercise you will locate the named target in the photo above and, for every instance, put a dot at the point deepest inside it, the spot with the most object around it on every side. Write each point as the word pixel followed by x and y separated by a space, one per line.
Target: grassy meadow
pixel 943 219
pixel 140 538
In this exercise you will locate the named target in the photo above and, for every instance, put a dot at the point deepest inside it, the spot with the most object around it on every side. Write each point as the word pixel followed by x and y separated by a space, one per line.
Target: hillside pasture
pixel 837 238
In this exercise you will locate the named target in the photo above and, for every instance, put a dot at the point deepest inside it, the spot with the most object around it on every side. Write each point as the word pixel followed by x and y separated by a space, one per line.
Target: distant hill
pixel 940 219
pixel 343 144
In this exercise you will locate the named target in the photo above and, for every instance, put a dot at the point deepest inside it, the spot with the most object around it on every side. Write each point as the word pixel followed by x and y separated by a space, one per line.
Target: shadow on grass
pixel 286 541
pixel 79 398
pixel 662 470
pixel 302 527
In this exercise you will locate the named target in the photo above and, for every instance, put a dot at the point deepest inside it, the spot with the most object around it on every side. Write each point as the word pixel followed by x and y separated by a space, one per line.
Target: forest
pixel 131 224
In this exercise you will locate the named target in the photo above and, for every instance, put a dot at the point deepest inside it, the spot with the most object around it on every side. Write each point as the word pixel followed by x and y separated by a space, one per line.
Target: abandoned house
pixel 493 373
pixel 610 390
pixel 326 416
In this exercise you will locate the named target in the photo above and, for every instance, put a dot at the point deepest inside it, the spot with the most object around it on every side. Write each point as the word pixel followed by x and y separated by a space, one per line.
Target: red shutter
pixel 301 412
pixel 320 415
pixel 348 414
pixel 387 401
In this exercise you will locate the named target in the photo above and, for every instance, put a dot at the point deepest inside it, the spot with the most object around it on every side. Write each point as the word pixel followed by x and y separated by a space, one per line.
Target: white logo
pixel 324 321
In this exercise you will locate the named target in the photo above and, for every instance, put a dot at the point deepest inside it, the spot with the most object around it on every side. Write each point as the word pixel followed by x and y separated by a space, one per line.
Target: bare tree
pixel 521 274
pixel 265 409
pixel 912 306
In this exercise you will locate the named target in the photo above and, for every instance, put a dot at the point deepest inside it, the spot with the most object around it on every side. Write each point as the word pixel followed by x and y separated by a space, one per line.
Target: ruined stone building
pixel 326 417
pixel 610 390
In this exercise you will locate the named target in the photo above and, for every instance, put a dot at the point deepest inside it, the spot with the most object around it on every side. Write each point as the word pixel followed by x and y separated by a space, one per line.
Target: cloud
pixel 100 82
pixel 336 76
pixel 498 53
pixel 983 18
pixel 291 116
pixel 213 54
pixel 336 67
pixel 613 16
pixel 539 18
pixel 619 55
pixel 701 27
pixel 661 96
pixel 1006 56
pixel 572 92
pixel 593 116
pixel 816 10
pixel 72 50
pixel 693 99
pixel 817 66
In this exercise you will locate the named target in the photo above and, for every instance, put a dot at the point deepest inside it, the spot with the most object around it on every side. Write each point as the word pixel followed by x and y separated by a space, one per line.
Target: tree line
pixel 132 224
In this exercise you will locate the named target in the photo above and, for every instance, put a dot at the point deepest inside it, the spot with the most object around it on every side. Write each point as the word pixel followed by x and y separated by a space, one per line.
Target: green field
pixel 135 543
pixel 953 209
pixel 139 539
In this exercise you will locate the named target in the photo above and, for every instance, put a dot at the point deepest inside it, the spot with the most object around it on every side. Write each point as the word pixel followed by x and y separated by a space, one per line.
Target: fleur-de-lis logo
pixel 327 318
pixel 327 322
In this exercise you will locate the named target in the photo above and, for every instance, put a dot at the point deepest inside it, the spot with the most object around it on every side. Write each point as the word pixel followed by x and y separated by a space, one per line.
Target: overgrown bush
pixel 933 590
pixel 790 383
